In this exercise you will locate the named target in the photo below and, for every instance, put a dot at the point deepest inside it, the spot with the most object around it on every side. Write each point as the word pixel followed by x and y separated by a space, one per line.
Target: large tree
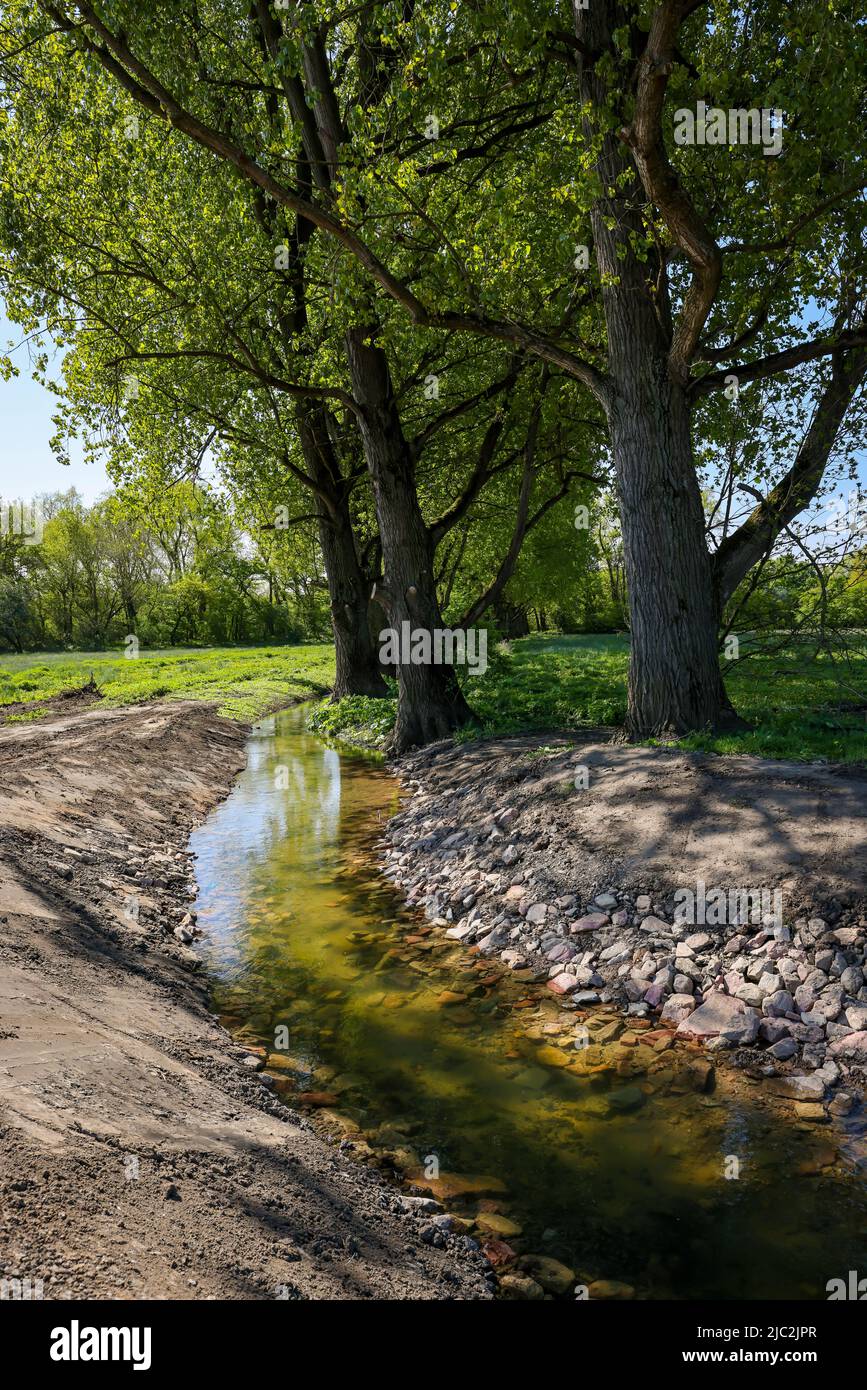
pixel 239 338
pixel 556 130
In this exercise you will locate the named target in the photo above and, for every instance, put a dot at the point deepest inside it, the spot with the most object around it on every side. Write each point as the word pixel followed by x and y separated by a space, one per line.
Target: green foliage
pixel 180 570
pixel 151 255
pixel 803 703
pixel 16 615
pixel 357 719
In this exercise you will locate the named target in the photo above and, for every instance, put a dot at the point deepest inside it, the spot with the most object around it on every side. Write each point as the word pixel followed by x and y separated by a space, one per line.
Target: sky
pixel 27 464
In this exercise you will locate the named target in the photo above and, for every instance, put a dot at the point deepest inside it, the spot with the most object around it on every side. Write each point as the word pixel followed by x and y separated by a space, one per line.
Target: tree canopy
pixel 425 274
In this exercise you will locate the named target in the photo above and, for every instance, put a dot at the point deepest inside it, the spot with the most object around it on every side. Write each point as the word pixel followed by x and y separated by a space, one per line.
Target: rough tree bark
pixel 430 701
pixel 357 670
pixel 675 684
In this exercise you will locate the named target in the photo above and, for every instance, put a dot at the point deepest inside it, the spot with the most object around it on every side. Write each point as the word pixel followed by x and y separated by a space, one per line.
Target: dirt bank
pixel 649 818
pixel 568 862
pixel 140 1157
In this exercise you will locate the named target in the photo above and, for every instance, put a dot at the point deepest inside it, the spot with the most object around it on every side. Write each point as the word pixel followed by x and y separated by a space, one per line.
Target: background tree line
pixel 420 272
pixel 196 567
pixel 185 572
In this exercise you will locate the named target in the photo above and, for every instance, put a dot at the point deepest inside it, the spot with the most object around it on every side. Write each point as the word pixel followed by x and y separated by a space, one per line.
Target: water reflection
pixel 619 1171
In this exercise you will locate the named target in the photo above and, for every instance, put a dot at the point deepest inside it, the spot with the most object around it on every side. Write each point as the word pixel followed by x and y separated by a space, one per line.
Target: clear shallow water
pixel 619 1176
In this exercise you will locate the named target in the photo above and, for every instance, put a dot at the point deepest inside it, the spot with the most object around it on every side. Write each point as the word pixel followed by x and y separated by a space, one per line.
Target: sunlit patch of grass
pixel 246 682
pixel 361 720
pixel 801 705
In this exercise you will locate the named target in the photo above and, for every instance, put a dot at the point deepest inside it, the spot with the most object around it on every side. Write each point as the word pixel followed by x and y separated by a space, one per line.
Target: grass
pixel 795 700
pixel 246 682
pixel 799 703
pixel 357 719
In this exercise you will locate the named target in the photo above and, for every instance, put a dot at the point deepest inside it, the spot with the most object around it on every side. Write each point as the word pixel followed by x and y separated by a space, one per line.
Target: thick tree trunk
pixel 356 657
pixel 675 684
pixel 355 653
pixel 430 700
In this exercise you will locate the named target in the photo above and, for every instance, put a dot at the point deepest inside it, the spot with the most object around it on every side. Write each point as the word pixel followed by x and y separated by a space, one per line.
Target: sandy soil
pixel 652 818
pixel 139 1156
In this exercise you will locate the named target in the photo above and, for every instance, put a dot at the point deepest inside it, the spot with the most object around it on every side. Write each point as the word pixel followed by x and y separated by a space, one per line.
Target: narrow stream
pixel 433 1052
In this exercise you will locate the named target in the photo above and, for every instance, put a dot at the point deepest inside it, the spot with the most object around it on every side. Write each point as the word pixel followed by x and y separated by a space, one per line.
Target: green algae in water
pixel 614 1175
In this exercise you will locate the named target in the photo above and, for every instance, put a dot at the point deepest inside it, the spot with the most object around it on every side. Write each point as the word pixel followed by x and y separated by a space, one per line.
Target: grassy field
pixel 246 681
pixel 801 705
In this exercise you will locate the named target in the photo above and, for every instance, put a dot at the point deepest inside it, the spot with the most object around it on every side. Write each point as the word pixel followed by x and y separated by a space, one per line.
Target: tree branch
pixel 755 538
pixel 113 52
pixel 778 362
pixel 681 217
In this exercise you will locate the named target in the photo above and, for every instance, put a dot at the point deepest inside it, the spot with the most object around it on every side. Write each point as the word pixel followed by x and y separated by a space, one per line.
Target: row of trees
pixel 196 565
pixel 418 273
pixel 182 571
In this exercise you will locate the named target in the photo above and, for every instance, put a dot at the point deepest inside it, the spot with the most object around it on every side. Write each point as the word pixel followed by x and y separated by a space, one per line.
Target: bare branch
pixel 755 538
pixel 778 362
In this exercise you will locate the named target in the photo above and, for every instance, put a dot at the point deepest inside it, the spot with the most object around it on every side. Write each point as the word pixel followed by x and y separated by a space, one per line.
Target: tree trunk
pixel 355 650
pixel 511 619
pixel 675 683
pixel 430 700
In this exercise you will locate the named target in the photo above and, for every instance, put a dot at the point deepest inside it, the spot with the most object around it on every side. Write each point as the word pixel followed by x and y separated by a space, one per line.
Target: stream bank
pixel 140 1155
pixel 444 1114
pixel 723 900
pixel 584 1150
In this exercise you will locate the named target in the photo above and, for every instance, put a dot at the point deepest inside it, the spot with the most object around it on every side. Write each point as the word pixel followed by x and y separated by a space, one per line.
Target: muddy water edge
pixel 630 1168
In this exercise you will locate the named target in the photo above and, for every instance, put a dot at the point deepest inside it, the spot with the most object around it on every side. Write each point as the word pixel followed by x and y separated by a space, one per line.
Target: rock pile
pixel 790 997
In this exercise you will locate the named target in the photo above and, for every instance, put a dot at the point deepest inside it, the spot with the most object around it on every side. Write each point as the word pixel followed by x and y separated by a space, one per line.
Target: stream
pixel 449 1065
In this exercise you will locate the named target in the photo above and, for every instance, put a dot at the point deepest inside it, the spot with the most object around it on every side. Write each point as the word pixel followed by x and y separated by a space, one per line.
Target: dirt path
pixel 139 1155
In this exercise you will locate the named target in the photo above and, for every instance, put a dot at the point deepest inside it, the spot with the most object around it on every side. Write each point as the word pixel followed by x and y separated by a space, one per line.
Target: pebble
pixel 610 1289
pixel 563 983
pixel 554 1277
pixel 518 1286
pixel 605 901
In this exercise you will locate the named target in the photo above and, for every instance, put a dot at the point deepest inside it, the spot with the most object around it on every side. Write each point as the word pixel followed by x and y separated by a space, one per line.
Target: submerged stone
pixel 450 1185
pixel 610 1289
pixel 496 1224
pixel 555 1278
pixel 625 1099
pixel 518 1286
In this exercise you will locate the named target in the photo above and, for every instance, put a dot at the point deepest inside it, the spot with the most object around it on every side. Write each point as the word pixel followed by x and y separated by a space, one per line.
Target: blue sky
pixel 27 464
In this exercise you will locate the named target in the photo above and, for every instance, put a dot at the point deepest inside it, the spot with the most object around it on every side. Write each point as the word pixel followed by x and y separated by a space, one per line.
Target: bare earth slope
pixel 139 1157
pixel 652 818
